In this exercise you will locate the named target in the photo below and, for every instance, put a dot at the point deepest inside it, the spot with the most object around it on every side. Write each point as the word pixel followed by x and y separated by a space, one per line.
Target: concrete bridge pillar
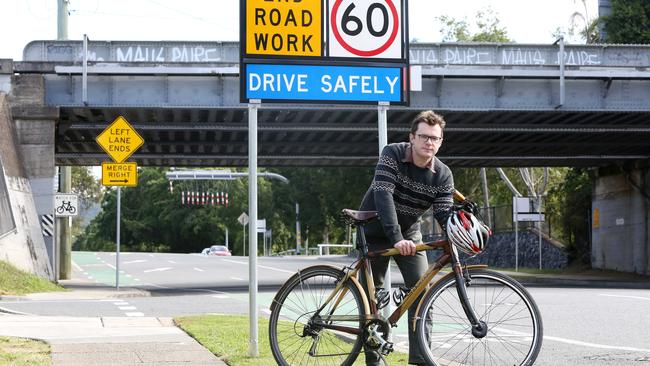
pixel 621 219
pixel 34 134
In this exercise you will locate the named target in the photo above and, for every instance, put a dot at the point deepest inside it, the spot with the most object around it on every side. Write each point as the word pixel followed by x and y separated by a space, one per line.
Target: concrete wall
pixel 620 220
pixel 24 247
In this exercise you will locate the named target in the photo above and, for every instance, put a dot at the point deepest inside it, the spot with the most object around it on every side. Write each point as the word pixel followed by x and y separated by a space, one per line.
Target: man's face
pixel 426 141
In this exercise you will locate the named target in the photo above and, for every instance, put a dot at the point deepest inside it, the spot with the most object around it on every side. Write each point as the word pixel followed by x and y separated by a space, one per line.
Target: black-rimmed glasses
pixel 427 138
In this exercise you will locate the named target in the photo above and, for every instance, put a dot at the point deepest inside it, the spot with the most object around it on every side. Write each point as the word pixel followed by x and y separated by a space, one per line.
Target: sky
pixel 22 21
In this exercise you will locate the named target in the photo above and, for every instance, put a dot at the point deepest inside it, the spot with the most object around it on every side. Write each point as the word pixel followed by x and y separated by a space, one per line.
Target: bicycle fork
pixel 479 327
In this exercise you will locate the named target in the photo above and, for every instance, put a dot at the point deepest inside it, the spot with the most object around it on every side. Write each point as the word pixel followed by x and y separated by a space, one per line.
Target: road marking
pixel 127 307
pixel 261 266
pixel 236 278
pixel 626 296
pixel 198 269
pixel 135 261
pixel 578 343
pixel 119 303
pixel 154 285
pixel 76 266
pixel 161 269
pixel 266 311
pixel 172 262
pixel 595 345
pixel 134 314
pixel 221 296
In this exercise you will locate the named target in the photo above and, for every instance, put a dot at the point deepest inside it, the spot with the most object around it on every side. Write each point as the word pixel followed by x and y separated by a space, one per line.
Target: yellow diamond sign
pixel 119 140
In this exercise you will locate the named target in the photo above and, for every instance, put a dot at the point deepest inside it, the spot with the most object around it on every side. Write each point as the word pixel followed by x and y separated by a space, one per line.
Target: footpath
pixel 104 341
pixel 138 341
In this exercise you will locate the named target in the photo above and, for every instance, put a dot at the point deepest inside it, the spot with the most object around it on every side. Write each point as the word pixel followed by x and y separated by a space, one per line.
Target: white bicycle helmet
pixel 467 232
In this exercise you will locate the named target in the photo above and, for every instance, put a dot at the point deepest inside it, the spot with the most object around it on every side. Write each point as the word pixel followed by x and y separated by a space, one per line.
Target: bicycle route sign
pixel 66 205
pixel 119 140
pixel 349 51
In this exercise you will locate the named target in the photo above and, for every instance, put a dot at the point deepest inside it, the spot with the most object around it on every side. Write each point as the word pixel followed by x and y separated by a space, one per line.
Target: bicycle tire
pixel 293 306
pixel 59 210
pixel 515 329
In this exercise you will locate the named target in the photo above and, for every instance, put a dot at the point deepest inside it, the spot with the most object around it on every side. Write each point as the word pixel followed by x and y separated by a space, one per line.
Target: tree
pixel 629 22
pixel 87 187
pixel 489 29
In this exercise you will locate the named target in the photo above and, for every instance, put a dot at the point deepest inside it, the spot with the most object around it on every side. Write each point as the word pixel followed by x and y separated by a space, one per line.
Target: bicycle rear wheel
pixel 295 334
pixel 514 323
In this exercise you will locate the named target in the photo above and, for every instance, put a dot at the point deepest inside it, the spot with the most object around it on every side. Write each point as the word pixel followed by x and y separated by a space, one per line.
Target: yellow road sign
pixel 119 174
pixel 284 28
pixel 119 140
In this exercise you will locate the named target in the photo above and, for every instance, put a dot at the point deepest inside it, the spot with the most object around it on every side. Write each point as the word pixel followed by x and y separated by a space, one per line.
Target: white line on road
pixel 261 266
pixel 172 262
pixel 626 296
pixel 134 314
pixel 127 307
pixel 198 269
pixel 595 345
pixel 158 269
pixel 221 296
pixel 76 266
pixel 119 303
pixel 579 343
pixel 236 278
pixel 135 261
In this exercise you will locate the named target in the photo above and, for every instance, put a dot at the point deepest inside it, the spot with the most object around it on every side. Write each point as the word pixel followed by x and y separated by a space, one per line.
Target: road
pixel 582 326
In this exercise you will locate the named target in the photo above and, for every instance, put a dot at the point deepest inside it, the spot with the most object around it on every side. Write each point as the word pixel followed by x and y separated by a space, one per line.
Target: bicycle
pixel 66 206
pixel 323 314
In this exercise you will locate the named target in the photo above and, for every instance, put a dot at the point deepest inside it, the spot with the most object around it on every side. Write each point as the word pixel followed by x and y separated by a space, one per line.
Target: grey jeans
pixel 412 268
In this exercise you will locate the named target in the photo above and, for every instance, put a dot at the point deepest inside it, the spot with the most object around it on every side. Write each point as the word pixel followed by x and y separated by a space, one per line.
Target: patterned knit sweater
pixel 401 192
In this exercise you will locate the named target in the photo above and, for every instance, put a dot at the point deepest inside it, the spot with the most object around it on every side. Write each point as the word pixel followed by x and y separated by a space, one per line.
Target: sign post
pixel 527 209
pixel 119 140
pixel 345 51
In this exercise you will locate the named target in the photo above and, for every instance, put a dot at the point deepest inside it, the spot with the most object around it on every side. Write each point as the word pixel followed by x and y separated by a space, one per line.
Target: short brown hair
pixel 429 117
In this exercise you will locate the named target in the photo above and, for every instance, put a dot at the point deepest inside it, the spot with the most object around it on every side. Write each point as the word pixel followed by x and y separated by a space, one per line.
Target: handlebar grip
pixel 459 196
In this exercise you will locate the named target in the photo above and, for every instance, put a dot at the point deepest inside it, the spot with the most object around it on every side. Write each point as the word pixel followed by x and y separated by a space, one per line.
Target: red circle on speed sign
pixel 359 52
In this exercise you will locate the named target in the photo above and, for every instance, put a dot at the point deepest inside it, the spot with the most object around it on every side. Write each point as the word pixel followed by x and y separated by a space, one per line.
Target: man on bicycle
pixel 408 180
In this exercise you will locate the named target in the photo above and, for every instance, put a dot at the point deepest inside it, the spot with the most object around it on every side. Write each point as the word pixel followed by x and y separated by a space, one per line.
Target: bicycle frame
pixel 449 254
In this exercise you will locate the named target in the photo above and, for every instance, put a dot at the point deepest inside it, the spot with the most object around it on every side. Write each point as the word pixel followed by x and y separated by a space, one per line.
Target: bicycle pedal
pixel 387 348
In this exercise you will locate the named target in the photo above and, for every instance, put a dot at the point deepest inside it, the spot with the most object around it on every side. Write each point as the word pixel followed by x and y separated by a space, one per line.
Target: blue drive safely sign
pixel 324 83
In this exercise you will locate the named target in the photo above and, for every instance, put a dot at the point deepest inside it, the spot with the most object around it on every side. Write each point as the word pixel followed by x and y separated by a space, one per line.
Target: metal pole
pixel 117 241
pixel 486 196
pixel 62 20
pixel 516 245
pixel 297 229
pixel 539 228
pixel 244 240
pixel 252 228
pixel 84 72
pixel 382 127
pixel 227 238
pixel 561 59
pixel 64 223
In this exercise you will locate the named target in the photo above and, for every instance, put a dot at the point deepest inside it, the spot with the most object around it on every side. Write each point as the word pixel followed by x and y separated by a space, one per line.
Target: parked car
pixel 218 250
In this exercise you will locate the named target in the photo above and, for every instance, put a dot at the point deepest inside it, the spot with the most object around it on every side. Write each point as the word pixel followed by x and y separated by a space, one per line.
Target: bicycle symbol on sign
pixel 66 206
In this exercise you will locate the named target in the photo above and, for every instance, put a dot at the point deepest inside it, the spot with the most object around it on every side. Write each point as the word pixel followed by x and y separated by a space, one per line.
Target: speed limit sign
pixel 366 28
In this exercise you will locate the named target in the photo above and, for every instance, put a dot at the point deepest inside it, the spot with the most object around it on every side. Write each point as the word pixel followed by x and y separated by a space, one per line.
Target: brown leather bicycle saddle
pixel 360 217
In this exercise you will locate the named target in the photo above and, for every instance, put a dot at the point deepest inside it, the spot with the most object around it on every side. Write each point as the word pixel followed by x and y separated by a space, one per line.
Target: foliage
pixel 629 22
pixel 153 218
pixel 584 26
pixel 86 186
pixel 572 206
pixel 489 28
pixel 14 281
pixel 227 337
pixel 23 352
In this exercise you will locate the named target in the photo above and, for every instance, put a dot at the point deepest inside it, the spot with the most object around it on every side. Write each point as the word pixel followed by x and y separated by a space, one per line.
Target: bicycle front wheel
pixel 300 336
pixel 514 323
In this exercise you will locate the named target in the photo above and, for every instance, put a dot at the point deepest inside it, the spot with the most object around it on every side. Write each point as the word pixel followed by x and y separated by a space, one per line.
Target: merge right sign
pixel 347 51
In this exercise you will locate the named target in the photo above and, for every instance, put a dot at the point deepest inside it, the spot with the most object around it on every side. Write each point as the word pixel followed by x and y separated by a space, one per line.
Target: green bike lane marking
pixel 100 271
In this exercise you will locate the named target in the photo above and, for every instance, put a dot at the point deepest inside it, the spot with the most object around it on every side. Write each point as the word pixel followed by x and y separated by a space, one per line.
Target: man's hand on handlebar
pixel 405 247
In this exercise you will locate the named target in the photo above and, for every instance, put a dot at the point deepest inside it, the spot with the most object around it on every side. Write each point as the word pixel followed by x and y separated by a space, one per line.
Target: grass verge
pixel 14 281
pixel 24 352
pixel 227 337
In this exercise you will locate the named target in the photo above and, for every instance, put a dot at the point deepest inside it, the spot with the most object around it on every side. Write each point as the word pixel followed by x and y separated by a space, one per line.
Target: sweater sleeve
pixel 444 200
pixel 383 187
